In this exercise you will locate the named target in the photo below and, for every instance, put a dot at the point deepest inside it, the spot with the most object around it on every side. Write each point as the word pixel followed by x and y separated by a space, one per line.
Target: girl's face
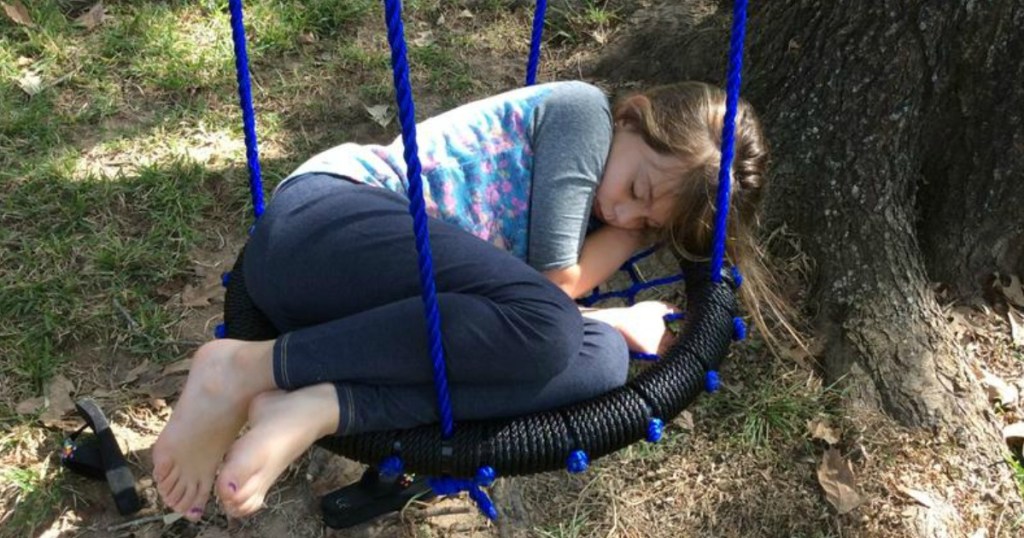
pixel 638 185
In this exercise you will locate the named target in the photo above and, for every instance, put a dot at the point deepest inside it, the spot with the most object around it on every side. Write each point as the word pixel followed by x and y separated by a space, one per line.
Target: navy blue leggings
pixel 333 266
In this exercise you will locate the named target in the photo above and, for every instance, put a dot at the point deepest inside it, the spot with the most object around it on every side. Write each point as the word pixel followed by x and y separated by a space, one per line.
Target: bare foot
pixel 283 425
pixel 225 376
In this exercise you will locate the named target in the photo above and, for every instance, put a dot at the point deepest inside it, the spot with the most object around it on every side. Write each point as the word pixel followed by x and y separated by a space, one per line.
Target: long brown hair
pixel 685 120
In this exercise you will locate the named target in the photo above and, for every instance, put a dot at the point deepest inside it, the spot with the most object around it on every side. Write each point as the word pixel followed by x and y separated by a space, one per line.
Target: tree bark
pixel 896 132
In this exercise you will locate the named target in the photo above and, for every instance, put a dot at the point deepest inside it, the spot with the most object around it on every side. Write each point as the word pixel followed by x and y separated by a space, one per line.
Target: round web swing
pixel 470 457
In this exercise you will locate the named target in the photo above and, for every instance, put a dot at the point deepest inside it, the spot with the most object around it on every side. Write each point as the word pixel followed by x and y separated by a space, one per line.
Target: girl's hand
pixel 643 326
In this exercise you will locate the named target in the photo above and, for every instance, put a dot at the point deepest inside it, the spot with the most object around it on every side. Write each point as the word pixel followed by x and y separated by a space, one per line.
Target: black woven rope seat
pixel 543 441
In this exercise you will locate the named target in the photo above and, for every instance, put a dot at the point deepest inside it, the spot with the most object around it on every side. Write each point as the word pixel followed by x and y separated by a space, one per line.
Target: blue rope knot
pixel 391 466
pixel 739 329
pixel 485 475
pixel 447 485
pixel 578 462
pixel 220 331
pixel 225 278
pixel 674 316
pixel 655 428
pixel 711 381
pixel 737 278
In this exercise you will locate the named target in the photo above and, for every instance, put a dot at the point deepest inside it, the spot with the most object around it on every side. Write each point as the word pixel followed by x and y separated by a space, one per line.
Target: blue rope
pixel 629 293
pixel 739 22
pixel 578 462
pixel 655 429
pixel 407 114
pixel 446 485
pixel 252 153
pixel 538 32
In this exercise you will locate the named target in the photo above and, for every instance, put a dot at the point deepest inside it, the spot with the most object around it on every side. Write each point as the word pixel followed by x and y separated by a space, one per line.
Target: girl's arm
pixel 604 251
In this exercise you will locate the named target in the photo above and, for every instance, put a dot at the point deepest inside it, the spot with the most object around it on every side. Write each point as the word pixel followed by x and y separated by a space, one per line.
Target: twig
pixel 135 522
pixel 132 324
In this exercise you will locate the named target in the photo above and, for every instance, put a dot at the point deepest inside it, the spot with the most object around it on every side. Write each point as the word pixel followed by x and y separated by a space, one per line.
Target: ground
pixel 123 198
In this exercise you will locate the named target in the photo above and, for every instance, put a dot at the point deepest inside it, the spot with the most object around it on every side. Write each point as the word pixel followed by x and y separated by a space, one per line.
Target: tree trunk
pixel 896 134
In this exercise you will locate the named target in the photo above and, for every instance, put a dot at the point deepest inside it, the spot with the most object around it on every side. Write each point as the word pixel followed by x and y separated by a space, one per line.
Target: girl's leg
pixel 334 267
pixel 285 424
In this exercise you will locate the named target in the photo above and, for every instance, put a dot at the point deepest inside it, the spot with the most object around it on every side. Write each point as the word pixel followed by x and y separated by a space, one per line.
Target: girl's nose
pixel 629 215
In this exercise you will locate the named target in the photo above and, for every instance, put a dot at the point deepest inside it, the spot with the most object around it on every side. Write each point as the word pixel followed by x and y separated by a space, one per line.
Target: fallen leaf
pixel 1016 327
pixel 23 61
pixel 466 14
pixel 821 429
pixel 424 39
pixel 31 405
pixel 164 388
pixel 211 290
pixel 17 12
pixel 59 403
pixel 30 83
pixel 836 478
pixel 94 17
pixel 306 38
pixel 999 390
pixel 923 498
pixel 1014 433
pixel 380 113
pixel 600 36
pixel 177 367
pixel 684 420
pixel 133 374
pixel 1014 291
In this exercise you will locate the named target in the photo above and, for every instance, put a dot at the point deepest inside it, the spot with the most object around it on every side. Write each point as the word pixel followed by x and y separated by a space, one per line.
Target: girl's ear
pixel 632 110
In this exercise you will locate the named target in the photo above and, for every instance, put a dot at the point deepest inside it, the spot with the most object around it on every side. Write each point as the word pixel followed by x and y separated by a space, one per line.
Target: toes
pixel 250 506
pixel 177 493
pixel 197 505
pixel 184 506
pixel 227 488
pixel 166 486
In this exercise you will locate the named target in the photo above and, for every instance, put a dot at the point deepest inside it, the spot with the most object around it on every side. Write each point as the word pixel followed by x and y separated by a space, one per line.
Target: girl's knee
pixel 606 356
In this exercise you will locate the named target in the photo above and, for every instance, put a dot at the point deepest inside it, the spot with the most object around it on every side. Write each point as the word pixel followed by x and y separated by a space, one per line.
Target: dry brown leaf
pixel 684 420
pixel 17 12
pixel 836 477
pixel 923 498
pixel 177 367
pixel 133 374
pixel 1016 327
pixel 31 405
pixel 821 429
pixel 59 403
pixel 203 295
pixel 94 17
pixel 424 38
pixel 306 38
pixel 466 14
pixel 163 388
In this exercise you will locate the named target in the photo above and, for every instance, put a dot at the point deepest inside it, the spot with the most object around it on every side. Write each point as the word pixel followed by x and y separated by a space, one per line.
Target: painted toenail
pixel 196 510
pixel 233 487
